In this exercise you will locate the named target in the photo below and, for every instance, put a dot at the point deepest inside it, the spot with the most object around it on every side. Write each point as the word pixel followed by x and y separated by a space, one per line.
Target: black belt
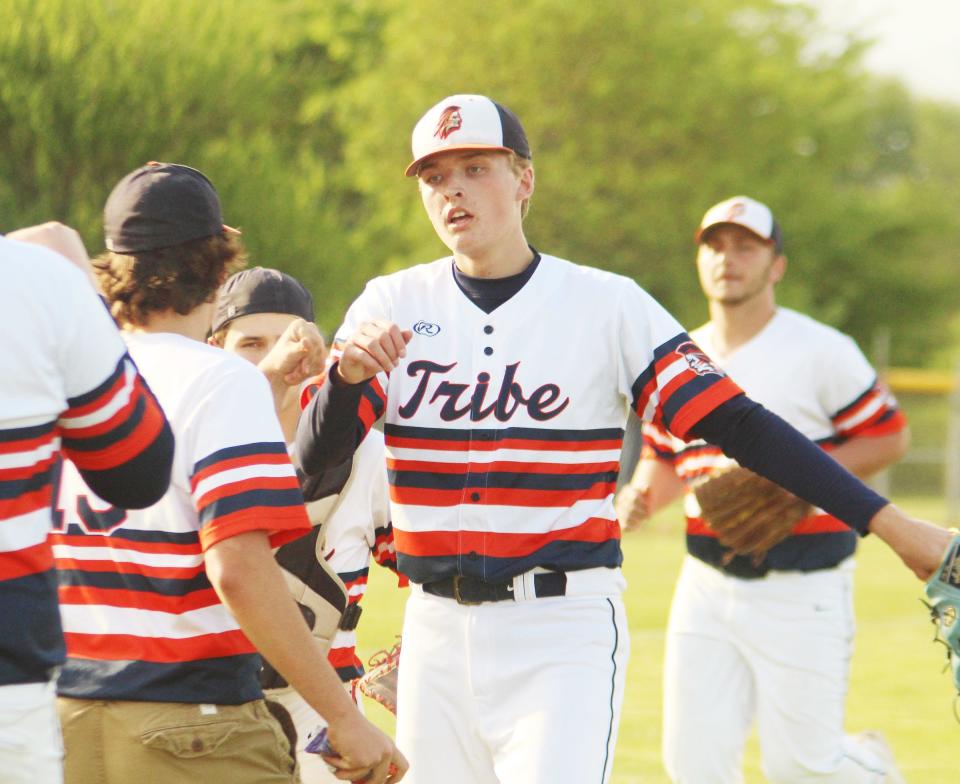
pixel 470 590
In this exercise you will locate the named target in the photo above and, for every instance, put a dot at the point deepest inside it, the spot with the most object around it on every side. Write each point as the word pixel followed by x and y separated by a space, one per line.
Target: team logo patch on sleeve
pixel 699 362
pixel 450 121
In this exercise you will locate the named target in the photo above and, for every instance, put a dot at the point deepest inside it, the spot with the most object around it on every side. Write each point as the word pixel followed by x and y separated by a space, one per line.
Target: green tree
pixel 643 114
pixel 238 88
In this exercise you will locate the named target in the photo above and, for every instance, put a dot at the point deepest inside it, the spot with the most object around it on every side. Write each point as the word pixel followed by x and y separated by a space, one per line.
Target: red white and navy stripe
pixel 141 619
pixel 235 489
pixel 501 457
pixel 102 429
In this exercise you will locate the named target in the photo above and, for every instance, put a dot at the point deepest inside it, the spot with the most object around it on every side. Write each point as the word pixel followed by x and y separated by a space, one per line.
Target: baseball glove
pixel 943 591
pixel 380 681
pixel 748 513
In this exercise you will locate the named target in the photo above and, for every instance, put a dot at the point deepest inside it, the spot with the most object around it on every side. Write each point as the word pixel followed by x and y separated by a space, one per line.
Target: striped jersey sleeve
pixel 68 386
pixel 241 477
pixel 873 413
pixel 112 423
pixel 245 488
pixel 676 384
pixel 858 403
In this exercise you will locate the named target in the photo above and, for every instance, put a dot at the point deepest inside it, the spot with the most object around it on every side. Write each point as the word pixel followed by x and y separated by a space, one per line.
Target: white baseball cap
pixel 466 122
pixel 746 212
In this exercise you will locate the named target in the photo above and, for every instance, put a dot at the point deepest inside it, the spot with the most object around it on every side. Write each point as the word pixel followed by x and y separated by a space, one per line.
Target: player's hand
pixel 632 506
pixel 299 354
pixel 376 347
pixel 59 238
pixel 365 754
pixel 920 545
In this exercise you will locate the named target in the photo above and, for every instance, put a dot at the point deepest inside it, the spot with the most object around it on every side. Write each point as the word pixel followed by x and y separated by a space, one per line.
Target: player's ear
pixel 525 184
pixel 779 268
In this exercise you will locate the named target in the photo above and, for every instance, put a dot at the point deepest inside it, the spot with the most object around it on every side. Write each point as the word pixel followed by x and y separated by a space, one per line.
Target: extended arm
pixel 759 440
pixel 243 572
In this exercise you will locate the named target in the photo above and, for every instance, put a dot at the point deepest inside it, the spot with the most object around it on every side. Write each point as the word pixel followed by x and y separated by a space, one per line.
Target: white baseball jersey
pixel 140 617
pixel 815 378
pixel 65 380
pixel 504 430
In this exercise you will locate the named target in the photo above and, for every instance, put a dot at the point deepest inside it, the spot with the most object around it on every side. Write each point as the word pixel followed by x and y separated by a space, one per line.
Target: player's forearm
pixel 286 401
pixel 659 483
pixel 329 429
pixel 864 456
pixel 243 572
pixel 919 544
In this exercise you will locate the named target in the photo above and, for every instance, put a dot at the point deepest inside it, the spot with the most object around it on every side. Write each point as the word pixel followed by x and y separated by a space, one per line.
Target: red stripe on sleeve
pixel 26 503
pixel 29 560
pixel 132 445
pixel 282 523
pixel 701 405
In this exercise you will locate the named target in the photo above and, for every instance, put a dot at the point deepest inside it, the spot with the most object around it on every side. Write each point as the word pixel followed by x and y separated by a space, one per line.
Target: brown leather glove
pixel 749 514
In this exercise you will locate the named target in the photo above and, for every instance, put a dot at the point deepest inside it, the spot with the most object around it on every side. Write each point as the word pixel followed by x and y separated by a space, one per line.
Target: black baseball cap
pixel 160 205
pixel 261 290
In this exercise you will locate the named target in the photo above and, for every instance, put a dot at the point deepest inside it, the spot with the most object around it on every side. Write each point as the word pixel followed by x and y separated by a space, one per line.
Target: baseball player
pixel 766 639
pixel 164 609
pixel 503 376
pixel 266 316
pixel 67 384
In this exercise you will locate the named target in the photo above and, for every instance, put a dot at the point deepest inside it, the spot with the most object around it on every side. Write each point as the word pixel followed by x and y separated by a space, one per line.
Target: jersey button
pixel 488 351
pixel 474 496
pixel 488 329
pixel 472 555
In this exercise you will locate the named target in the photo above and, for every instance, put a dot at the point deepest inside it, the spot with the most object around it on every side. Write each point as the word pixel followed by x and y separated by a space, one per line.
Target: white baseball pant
pixel 31 747
pixel 775 650
pixel 513 692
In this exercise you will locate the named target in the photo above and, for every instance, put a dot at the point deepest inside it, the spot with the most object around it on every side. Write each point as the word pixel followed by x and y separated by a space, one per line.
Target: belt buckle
pixel 456 592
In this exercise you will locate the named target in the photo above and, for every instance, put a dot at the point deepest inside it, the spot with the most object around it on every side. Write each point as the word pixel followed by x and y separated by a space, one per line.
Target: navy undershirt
pixel 488 294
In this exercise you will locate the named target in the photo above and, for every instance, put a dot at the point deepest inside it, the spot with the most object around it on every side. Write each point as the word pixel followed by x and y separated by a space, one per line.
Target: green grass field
pixel 897 684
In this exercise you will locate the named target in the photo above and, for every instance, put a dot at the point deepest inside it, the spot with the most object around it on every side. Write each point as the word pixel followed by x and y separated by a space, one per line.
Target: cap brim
pixel 413 168
pixel 231 230
pixel 698 237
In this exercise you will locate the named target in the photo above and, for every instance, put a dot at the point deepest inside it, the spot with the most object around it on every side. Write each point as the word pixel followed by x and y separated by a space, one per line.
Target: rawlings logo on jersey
pixel 426 328
pixel 450 121
pixel 458 400
pixel 699 362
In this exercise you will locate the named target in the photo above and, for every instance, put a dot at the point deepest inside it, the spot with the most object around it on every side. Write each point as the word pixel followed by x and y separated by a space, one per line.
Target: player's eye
pixel 474 169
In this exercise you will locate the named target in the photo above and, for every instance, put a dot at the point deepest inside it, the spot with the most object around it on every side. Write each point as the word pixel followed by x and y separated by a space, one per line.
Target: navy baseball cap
pixel 467 122
pixel 261 290
pixel 160 205
pixel 751 214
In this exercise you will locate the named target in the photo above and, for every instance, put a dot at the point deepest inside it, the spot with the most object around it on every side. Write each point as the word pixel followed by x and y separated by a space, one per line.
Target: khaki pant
pixel 121 742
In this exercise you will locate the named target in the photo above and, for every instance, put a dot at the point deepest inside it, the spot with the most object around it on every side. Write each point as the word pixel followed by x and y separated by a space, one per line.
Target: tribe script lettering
pixel 460 400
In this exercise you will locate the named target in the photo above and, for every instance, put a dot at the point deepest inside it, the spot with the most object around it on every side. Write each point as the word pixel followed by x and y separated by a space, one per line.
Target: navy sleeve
pixel 763 442
pixel 329 431
pixel 139 482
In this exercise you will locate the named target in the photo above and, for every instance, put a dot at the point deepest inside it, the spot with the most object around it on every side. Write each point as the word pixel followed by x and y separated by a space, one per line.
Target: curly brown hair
pixel 178 278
